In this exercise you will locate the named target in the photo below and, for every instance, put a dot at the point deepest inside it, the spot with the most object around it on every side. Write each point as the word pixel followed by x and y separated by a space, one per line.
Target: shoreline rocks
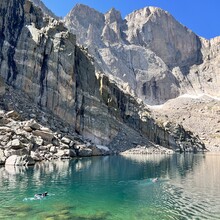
pixel 22 143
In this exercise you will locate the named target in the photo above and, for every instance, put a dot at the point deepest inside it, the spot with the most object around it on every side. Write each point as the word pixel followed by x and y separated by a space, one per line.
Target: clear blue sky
pixel 201 16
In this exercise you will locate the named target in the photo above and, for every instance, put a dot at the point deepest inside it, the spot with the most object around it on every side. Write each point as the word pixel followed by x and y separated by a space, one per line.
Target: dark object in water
pixel 41 195
pixel 155 180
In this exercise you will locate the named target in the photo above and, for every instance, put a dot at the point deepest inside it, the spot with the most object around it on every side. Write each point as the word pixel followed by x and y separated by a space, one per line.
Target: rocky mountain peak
pixel 113 16
pixel 86 14
pixel 149 51
pixel 86 23
pixel 158 30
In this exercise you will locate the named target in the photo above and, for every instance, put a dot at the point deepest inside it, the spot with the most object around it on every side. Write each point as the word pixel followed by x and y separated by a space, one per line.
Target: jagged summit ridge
pixel 136 51
pixel 113 16
pixel 158 30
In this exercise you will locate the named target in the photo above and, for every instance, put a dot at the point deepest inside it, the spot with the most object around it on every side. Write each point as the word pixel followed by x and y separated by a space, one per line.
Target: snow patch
pixel 199 96
pixel 34 32
pixel 190 96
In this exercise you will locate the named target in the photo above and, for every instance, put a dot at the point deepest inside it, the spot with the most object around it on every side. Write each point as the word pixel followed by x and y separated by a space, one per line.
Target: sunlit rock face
pixel 41 5
pixel 149 53
pixel 39 56
pixel 157 29
pixel 118 53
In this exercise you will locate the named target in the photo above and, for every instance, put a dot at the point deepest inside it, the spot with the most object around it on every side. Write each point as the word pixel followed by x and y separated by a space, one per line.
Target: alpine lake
pixel 114 188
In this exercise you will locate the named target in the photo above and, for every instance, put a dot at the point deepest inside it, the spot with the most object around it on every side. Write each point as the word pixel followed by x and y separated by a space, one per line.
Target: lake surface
pixel 114 187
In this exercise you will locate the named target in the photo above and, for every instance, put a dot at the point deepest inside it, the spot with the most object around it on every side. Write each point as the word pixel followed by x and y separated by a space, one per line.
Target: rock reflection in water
pixel 188 187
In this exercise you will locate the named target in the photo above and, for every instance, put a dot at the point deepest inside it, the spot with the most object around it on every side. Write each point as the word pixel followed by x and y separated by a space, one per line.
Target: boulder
pixel 45 129
pixel 53 149
pixel 13 114
pixel 4 121
pixel 55 141
pixel 5 129
pixel 84 152
pixel 38 140
pixel 63 154
pixel 42 148
pixel 66 140
pixel 15 160
pixel 16 144
pixel 47 136
pixel 64 146
pixel 34 126
pixel 27 128
pixel 72 153
pixel 71 144
pixel 36 156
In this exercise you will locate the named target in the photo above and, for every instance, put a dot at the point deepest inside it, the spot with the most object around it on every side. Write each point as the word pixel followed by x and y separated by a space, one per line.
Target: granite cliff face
pixel 39 56
pixel 150 53
pixel 155 58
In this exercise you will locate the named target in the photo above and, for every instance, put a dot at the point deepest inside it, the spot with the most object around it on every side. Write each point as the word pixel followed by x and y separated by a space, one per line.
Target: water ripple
pixel 186 205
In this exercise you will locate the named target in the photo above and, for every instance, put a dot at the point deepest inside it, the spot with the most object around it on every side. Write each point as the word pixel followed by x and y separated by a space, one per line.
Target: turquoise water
pixel 114 187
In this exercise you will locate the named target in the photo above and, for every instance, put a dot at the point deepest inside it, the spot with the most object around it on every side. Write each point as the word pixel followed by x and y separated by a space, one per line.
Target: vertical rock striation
pixel 37 56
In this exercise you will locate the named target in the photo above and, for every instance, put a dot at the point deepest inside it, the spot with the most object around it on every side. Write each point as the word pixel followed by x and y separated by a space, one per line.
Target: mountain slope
pixel 46 11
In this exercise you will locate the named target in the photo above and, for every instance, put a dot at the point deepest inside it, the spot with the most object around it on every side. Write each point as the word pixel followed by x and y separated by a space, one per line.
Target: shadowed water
pixel 114 187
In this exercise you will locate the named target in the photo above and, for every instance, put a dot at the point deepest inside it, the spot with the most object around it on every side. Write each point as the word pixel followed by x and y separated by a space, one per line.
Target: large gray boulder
pixel 47 136
pixel 84 151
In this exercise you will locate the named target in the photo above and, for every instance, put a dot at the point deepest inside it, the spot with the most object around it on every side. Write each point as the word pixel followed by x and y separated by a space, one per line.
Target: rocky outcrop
pixel 199 114
pixel 47 11
pixel 37 56
pixel 40 58
pixel 156 29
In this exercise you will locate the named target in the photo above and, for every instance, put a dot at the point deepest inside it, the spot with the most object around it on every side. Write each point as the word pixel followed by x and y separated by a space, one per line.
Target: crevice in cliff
pixel 79 103
pixel 14 28
pixel 2 26
pixel 44 68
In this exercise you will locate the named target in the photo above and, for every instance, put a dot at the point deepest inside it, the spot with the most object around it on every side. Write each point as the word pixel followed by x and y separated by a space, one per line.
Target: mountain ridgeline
pixel 40 56
pixel 149 52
